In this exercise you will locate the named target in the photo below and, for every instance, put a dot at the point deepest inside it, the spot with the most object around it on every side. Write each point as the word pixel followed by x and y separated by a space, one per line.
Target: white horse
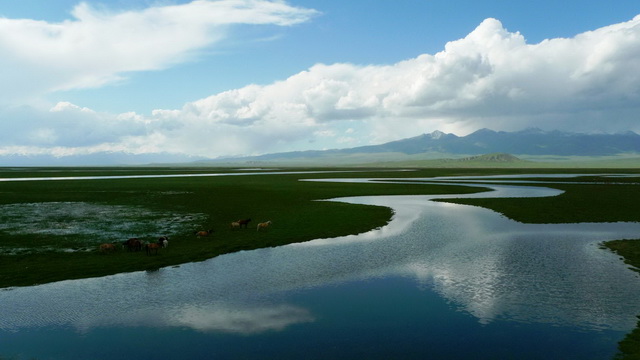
pixel 263 225
pixel 164 241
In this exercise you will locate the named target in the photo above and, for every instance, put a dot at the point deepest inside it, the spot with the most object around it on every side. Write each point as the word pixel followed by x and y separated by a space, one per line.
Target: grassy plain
pixel 85 213
pixel 602 199
pixel 51 230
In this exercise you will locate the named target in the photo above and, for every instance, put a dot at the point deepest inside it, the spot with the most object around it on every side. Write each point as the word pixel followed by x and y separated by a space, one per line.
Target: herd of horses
pixel 135 244
pixel 151 248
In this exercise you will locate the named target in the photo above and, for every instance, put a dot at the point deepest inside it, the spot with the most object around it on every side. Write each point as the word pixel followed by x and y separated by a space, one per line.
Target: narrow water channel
pixel 441 281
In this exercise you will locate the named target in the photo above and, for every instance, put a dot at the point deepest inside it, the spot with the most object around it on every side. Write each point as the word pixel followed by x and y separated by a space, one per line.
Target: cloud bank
pixel 98 47
pixel 491 78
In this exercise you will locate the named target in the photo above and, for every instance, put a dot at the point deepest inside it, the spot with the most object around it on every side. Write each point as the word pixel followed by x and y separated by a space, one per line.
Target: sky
pixel 248 77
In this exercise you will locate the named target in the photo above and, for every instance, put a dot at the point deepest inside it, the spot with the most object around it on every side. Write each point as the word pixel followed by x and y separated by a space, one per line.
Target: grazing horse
pixel 243 222
pixel 106 248
pixel 133 244
pixel 152 248
pixel 203 233
pixel 163 241
pixel 263 225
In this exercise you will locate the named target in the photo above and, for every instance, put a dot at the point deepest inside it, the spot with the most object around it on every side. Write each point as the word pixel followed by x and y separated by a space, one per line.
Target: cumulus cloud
pixel 97 46
pixel 68 125
pixel 490 78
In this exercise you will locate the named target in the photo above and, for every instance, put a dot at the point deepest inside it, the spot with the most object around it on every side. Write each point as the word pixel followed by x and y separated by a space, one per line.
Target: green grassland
pixel 52 229
pixel 600 200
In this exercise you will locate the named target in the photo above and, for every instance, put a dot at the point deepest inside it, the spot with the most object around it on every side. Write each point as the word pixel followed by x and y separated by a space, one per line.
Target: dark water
pixel 442 281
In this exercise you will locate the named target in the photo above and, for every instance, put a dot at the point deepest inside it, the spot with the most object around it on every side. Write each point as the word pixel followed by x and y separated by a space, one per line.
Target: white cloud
pixel 491 78
pixel 67 106
pixel 97 47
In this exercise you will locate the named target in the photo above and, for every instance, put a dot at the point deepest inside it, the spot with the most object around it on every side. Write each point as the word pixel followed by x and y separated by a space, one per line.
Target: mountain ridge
pixel 531 141
pixel 529 144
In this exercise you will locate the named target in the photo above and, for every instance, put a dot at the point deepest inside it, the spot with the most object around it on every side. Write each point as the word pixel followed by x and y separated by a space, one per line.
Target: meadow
pixel 51 230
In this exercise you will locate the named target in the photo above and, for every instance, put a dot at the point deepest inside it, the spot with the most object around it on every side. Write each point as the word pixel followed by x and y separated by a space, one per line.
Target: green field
pixel 51 230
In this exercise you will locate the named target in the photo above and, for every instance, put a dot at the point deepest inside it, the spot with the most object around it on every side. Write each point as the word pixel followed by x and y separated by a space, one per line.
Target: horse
pixel 235 225
pixel 105 248
pixel 243 222
pixel 152 247
pixel 263 225
pixel 164 241
pixel 133 244
pixel 203 233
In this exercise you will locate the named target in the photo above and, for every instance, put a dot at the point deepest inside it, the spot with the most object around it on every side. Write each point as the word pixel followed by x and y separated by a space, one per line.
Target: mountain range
pixel 530 142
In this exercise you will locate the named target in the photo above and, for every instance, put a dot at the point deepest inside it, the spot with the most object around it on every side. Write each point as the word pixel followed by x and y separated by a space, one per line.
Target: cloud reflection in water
pixel 231 319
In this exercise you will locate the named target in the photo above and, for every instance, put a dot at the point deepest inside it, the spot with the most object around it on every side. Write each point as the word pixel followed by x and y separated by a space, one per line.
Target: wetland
pixel 412 268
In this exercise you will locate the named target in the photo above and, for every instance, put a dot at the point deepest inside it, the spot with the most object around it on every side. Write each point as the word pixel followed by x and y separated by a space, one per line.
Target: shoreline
pixel 629 250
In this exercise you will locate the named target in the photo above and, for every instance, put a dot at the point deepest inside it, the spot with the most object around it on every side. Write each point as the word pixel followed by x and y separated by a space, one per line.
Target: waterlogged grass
pixel 80 226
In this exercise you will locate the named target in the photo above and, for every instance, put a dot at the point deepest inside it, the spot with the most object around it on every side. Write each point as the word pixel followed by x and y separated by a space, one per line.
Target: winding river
pixel 439 281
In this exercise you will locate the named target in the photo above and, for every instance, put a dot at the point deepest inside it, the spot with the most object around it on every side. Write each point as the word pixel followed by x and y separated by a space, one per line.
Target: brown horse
pixel 152 248
pixel 243 222
pixel 107 248
pixel 133 244
pixel 203 233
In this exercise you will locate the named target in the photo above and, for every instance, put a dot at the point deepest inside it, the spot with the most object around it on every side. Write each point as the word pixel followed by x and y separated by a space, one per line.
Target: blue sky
pixel 241 77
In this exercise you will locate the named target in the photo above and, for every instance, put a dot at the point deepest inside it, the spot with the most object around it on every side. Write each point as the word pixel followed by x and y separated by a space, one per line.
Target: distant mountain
pixel 538 142
pixel 529 142
pixel 526 144
pixel 532 142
